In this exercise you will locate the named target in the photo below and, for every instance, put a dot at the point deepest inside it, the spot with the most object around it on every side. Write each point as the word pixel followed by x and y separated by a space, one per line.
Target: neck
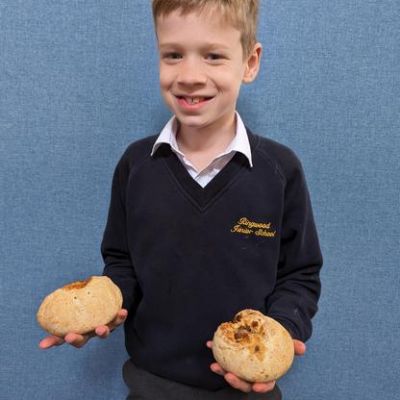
pixel 206 139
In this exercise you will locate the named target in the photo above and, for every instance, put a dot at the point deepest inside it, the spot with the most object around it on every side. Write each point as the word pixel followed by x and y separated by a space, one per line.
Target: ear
pixel 252 64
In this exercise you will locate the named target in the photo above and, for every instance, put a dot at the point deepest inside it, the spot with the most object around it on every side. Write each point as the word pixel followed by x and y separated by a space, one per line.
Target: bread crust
pixel 254 347
pixel 80 306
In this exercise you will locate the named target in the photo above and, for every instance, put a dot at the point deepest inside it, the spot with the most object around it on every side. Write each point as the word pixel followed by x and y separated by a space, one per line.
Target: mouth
pixel 193 101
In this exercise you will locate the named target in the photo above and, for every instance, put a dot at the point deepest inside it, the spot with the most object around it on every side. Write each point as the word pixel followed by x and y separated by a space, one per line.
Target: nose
pixel 191 72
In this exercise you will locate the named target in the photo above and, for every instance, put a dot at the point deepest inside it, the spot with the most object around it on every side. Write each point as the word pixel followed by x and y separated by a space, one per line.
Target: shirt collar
pixel 239 143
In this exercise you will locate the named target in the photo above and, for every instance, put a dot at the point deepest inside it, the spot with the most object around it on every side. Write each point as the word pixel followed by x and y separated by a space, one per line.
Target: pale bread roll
pixel 80 306
pixel 254 347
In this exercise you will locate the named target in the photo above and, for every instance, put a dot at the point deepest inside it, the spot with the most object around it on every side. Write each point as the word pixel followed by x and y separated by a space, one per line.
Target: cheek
pixel 165 78
pixel 230 79
pixel 230 85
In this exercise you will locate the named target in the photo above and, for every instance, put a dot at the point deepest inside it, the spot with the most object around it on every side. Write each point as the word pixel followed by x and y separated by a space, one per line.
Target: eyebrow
pixel 208 46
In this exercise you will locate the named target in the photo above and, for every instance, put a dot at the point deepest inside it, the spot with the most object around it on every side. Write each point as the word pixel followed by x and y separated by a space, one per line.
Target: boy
pixel 206 219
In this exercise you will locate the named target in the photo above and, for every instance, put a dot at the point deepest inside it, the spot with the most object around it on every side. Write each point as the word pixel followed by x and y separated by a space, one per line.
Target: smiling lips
pixel 192 102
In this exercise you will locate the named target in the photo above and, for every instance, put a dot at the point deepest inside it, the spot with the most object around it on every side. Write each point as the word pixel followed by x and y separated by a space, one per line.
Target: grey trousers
pixel 146 386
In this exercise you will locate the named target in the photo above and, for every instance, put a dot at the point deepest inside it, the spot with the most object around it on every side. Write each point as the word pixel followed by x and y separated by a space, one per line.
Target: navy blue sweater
pixel 187 258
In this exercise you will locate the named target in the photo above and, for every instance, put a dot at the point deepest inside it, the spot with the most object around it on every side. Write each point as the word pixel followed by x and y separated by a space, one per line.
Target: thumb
pixel 299 347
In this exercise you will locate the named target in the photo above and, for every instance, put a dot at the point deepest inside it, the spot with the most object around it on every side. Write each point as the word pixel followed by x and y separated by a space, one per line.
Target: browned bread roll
pixel 80 306
pixel 254 347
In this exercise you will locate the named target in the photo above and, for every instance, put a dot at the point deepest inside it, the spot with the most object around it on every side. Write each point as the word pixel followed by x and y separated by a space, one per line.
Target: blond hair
pixel 242 14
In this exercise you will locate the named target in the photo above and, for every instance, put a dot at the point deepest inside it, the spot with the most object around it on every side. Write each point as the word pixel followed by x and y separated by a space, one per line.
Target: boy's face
pixel 202 68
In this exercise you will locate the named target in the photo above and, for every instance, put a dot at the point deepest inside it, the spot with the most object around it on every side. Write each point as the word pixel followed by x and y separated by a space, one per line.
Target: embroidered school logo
pixel 246 227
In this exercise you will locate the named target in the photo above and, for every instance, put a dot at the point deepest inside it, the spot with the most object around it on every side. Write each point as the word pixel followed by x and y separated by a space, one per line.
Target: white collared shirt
pixel 240 143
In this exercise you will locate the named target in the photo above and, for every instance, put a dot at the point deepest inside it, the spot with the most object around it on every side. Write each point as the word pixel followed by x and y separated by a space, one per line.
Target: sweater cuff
pixel 127 295
pixel 289 326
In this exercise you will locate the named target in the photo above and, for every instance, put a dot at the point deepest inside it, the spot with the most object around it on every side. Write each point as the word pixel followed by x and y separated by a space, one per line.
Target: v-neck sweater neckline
pixel 202 197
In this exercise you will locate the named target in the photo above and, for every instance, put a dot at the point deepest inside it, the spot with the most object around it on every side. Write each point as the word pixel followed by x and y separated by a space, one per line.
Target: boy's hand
pixel 78 341
pixel 244 386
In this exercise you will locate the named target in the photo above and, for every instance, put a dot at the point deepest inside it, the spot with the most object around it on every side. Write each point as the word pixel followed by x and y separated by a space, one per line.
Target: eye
pixel 173 55
pixel 214 56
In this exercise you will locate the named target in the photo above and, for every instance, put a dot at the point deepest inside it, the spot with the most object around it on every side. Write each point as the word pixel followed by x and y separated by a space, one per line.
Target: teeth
pixel 194 100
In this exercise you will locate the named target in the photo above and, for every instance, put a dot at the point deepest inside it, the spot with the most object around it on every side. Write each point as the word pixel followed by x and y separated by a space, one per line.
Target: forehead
pixel 196 27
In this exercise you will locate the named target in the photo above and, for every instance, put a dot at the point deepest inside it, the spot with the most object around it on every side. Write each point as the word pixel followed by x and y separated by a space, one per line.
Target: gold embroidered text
pixel 247 227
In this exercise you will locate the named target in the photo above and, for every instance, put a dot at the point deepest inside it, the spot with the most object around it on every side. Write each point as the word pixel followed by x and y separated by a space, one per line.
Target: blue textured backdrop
pixel 78 82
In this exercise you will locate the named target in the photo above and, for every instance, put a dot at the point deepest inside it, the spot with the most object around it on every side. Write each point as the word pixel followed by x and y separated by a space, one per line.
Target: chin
pixel 191 120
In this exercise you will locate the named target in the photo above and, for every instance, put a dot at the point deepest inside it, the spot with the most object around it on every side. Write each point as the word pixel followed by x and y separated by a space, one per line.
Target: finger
pixel 102 331
pixel 50 341
pixel 215 367
pixel 237 383
pixel 209 344
pixel 299 347
pixel 119 319
pixel 122 314
pixel 263 387
pixel 76 340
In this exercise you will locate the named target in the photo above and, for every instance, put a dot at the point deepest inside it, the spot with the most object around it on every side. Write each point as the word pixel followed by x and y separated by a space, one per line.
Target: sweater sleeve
pixel 114 246
pixel 294 300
